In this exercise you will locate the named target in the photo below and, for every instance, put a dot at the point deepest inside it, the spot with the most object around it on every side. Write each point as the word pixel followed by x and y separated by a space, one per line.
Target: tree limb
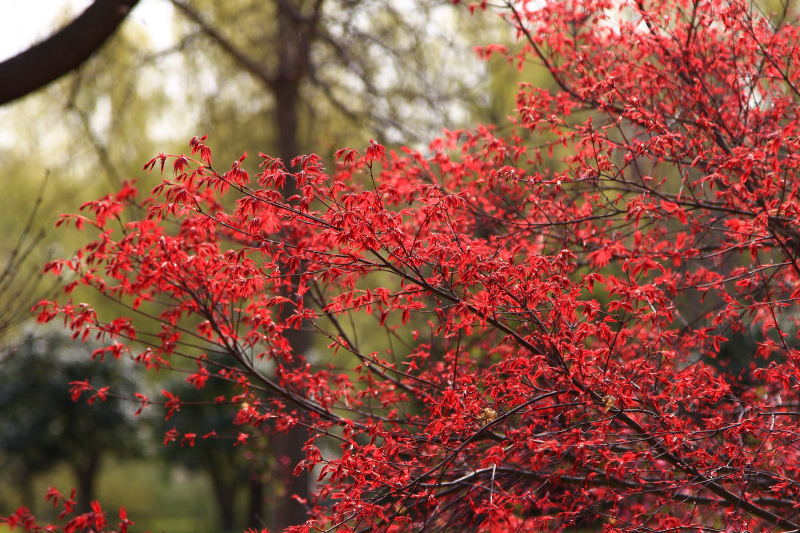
pixel 64 51
pixel 250 65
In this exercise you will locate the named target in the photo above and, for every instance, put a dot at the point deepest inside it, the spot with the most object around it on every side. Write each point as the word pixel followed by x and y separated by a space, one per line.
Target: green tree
pixel 232 470
pixel 41 426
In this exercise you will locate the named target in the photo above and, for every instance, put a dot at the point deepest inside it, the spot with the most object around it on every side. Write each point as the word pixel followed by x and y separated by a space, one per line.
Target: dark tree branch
pixel 64 51
pixel 250 65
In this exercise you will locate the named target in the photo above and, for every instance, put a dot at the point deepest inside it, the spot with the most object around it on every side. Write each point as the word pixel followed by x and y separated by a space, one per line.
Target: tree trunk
pixel 26 486
pixel 255 513
pixel 289 446
pixel 286 90
pixel 294 37
pixel 86 471
pixel 223 491
pixel 289 451
pixel 286 102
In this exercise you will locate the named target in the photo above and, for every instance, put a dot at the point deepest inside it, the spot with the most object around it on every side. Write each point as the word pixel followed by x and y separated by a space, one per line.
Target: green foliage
pixel 42 427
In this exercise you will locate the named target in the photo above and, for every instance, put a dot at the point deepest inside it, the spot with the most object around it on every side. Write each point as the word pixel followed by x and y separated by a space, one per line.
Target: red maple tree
pixel 519 326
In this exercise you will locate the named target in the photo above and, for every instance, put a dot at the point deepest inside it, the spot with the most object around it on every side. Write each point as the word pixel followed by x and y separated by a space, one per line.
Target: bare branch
pixel 250 65
pixel 64 51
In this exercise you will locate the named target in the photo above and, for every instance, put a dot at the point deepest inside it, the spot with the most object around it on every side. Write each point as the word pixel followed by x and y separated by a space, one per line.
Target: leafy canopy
pixel 547 317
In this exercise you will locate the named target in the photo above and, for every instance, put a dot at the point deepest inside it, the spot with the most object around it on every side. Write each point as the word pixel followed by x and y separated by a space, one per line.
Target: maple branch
pixel 598 399
pixel 600 478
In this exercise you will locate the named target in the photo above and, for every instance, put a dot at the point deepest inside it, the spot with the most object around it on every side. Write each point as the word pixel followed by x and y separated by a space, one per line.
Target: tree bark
pixel 86 472
pixel 64 51
pixel 293 60
pixel 255 512
pixel 26 486
pixel 224 491
pixel 289 451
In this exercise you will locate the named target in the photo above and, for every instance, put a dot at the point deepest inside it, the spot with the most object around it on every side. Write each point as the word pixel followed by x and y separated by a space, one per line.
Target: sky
pixel 25 22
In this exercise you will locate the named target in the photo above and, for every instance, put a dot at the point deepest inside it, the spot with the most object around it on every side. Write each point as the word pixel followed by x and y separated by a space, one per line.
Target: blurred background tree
pixel 41 427
pixel 236 473
pixel 285 77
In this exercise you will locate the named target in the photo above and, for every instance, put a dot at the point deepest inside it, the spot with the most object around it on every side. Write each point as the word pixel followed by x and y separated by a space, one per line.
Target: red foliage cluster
pixel 545 301
pixel 95 520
